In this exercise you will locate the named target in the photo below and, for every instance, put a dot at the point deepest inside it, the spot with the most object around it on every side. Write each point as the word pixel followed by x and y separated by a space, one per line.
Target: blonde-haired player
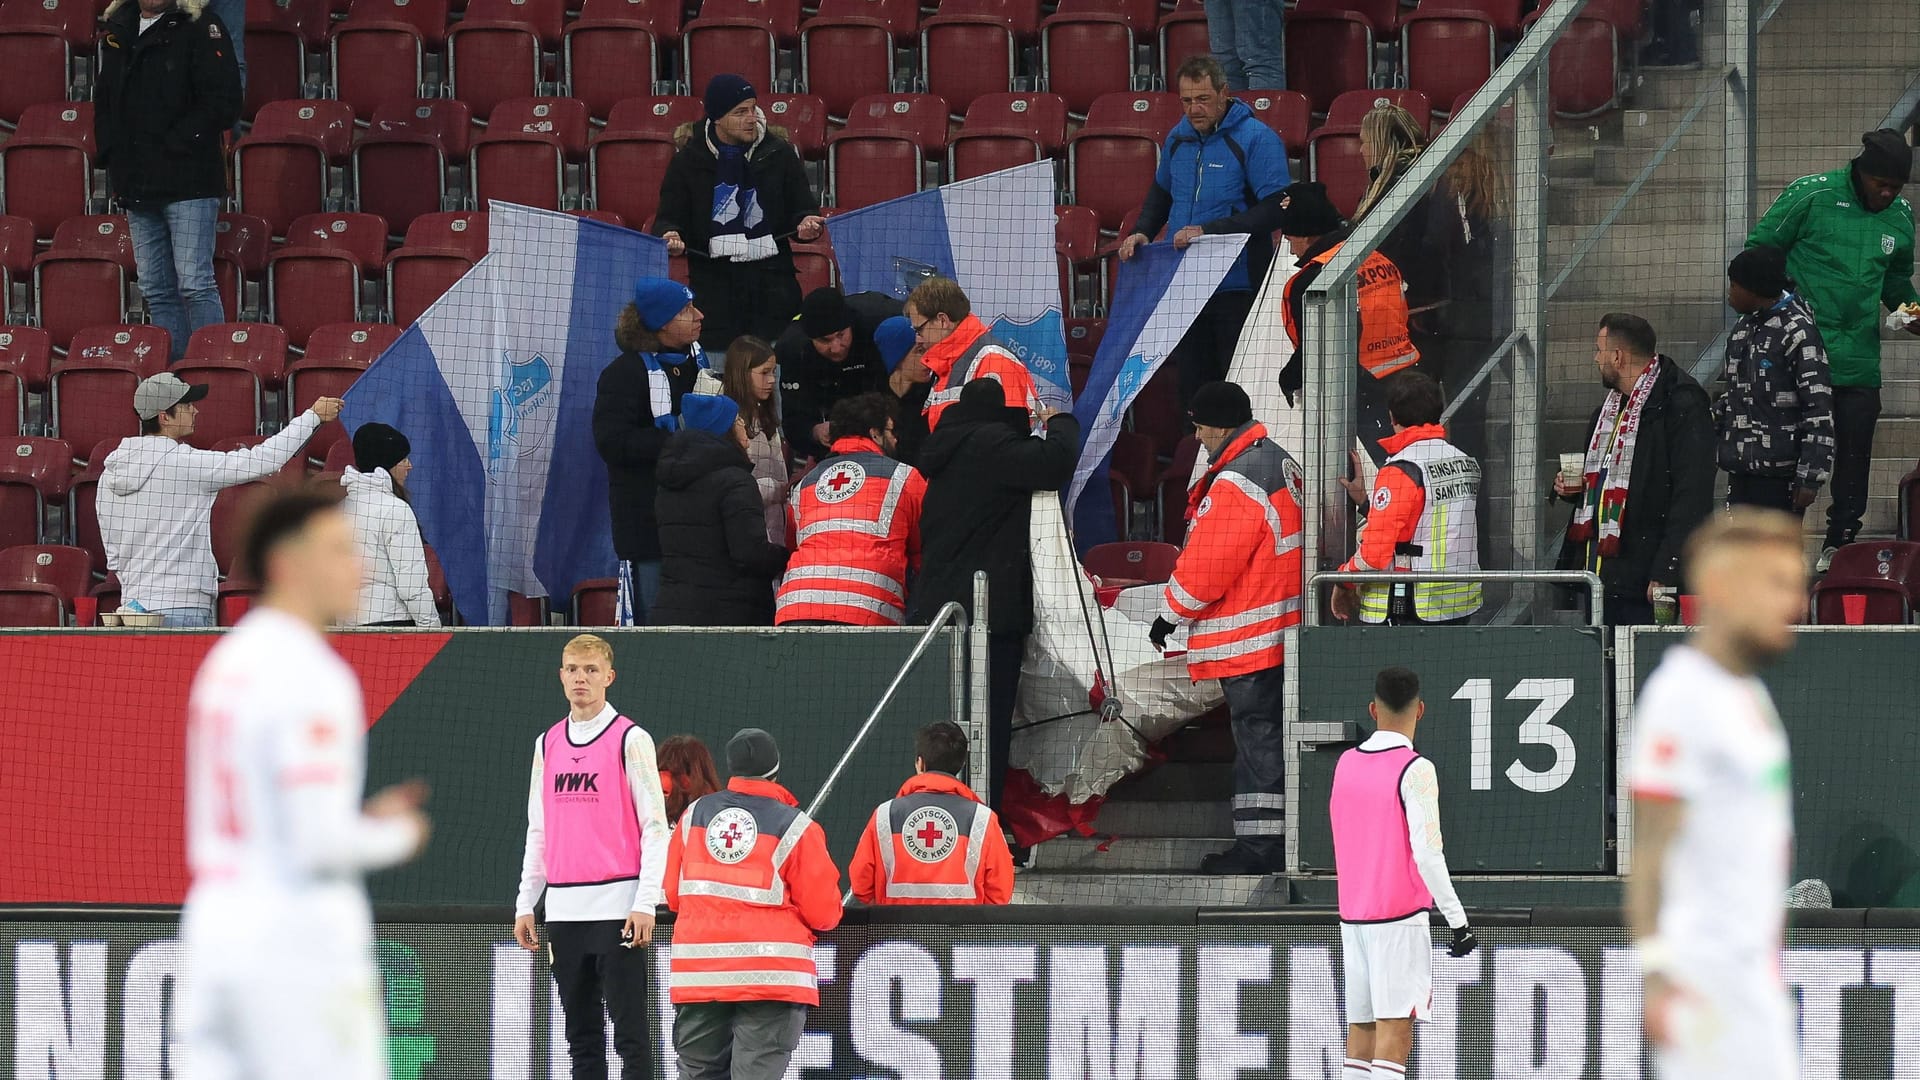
pixel 1712 814
pixel 280 980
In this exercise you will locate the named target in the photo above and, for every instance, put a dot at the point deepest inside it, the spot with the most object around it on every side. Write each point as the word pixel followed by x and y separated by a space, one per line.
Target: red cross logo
pixel 838 481
pixel 731 834
pixel 841 480
pixel 930 834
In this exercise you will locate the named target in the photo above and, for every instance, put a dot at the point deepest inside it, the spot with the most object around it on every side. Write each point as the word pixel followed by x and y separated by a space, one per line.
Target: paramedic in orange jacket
pixel 749 876
pixel 935 842
pixel 959 349
pixel 1237 586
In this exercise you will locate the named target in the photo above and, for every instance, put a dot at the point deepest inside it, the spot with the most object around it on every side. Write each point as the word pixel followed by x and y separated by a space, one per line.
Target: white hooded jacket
pixel 155 503
pixel 394 583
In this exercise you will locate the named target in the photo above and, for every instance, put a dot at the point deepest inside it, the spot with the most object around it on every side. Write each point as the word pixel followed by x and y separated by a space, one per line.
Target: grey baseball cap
pixel 159 393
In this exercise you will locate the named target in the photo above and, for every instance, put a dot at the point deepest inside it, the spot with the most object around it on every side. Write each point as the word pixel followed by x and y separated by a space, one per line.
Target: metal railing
pixel 1511 577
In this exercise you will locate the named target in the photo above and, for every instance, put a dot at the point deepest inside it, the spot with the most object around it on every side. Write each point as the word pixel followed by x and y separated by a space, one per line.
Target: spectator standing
pixel 1775 422
pixel 983 469
pixel 233 16
pixel 827 356
pixel 1421 516
pixel 1237 586
pixel 1648 476
pixel 634 406
pixel 1222 171
pixel 958 348
pixel 856 520
pixel 156 494
pixel 1848 236
pixel 732 200
pixel 394 587
pixel 597 833
pixel 1314 232
pixel 1469 231
pixel 750 878
pixel 686 773
pixel 169 88
pixel 749 377
pixel 935 842
pixel 909 382
pixel 1390 140
pixel 1249 37
pixel 717 566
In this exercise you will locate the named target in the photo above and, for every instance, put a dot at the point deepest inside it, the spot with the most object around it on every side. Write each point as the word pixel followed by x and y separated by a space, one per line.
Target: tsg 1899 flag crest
pixel 494 386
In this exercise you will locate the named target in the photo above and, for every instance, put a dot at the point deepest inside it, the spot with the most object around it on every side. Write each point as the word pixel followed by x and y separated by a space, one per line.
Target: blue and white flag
pixel 1158 294
pixel 494 387
pixel 994 235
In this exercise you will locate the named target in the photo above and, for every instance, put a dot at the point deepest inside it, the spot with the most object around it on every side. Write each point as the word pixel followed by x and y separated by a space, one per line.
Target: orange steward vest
pixel 751 883
pixel 1237 581
pixel 856 525
pixel 1384 345
pixel 970 353
pixel 934 843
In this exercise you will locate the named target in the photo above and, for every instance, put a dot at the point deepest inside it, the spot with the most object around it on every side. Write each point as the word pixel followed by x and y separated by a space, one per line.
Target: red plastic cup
pixel 1689 610
pixel 86 610
pixel 232 607
pixel 1853 607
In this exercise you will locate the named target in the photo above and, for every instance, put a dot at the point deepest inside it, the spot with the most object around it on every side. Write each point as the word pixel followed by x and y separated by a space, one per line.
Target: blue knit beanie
pixel 725 93
pixel 659 300
pixel 894 338
pixel 711 413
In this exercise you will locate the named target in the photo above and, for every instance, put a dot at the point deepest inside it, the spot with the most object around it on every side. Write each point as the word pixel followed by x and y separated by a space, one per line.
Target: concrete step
pixel 1583 202
pixel 1185 818
pixel 1157 854
pixel 1151 890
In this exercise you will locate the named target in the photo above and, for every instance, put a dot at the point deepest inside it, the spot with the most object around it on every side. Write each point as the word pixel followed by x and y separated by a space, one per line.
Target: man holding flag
pixel 960 349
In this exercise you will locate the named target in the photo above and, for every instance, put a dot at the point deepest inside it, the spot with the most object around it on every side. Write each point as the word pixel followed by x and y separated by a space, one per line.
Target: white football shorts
pixel 1389 969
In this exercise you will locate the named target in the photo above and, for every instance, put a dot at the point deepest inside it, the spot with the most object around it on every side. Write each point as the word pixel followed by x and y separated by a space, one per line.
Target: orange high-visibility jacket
pixel 750 879
pixel 1384 345
pixel 855 521
pixel 934 843
pixel 970 353
pixel 1238 579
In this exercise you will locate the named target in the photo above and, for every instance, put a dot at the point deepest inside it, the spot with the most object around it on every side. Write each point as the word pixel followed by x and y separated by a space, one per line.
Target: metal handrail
pixel 950 612
pixel 1521 577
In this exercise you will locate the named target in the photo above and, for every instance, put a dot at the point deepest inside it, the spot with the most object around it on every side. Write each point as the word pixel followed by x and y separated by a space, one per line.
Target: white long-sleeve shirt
pixel 614 900
pixel 394 584
pixel 155 504
pixel 1420 794
pixel 276 766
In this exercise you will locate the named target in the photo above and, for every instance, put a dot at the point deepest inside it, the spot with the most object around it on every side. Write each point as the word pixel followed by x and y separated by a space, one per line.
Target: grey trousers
pixel 744 1040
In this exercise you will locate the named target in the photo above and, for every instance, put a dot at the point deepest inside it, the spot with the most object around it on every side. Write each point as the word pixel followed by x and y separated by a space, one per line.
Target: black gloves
pixel 1463 941
pixel 1291 378
pixel 1158 635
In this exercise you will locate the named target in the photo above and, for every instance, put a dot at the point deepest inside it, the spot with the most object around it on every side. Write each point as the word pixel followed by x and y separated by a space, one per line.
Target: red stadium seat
pixel 844 59
pixel 440 248
pixel 336 355
pixel 62 566
pixel 963 56
pixel 240 247
pixel 624 173
pixel 1629 17
pixel 233 407
pixel 1287 112
pixel 595 601
pixel 27 352
pixel 1005 130
pixel 1087 51
pixel 1172 493
pixel 803 117
pixel 1084 335
pixel 716 46
pixel 1840 600
pixel 309 287
pixel 660 16
pixel 427 17
pixel 489 62
pixel 1382 15
pixel 83 522
pixel 376 63
pixel 93 400
pixel 813 264
pixel 919 117
pixel 277 42
pixel 33 473
pixel 654 117
pixel 82 280
pixel 74 21
pixel 605 62
pixel 1889 560
pixel 1111 161
pixel 1076 247
pixel 139 347
pixel 1328 53
pixel 1334 159
pixel 13 404
pixel 1133 458
pixel 1156 413
pixel 866 167
pixel 546 18
pixel 563 119
pixel 231 509
pixel 261 346
pixel 26 603
pixel 1183 35
pixel 46 168
pixel 1139 560
pixel 363 237
pixel 36 63
pixel 281 169
pixel 400 162
pixel 523 156
pixel 900 17
pixel 1503 14
pixel 1584 70
pixel 16 257
pixel 339 457
pixel 1445 56
pixel 1352 107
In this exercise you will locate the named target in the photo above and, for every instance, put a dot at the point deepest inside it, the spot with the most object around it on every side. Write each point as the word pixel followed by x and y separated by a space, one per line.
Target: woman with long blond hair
pixel 1469 231
pixel 1390 139
pixel 748 377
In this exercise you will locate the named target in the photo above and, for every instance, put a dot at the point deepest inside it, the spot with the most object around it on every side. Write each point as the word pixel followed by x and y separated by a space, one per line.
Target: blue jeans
pixel 173 251
pixel 233 16
pixel 184 618
pixel 1248 37
pixel 639 591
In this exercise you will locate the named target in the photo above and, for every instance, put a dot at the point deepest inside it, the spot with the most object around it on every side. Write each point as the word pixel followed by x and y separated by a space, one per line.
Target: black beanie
pixel 724 94
pixel 377 446
pixel 1885 154
pixel 1761 271
pixel 752 755
pixel 825 312
pixel 1222 405
pixel 1308 210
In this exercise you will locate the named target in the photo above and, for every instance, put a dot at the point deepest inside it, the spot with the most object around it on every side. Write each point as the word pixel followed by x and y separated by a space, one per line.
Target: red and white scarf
pixel 1611 451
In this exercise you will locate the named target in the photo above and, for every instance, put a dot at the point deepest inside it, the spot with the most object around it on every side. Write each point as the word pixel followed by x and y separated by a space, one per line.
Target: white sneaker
pixel 1825 562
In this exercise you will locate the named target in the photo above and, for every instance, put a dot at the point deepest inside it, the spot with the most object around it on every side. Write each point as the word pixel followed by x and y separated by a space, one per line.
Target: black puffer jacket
pixel 716 566
pixel 982 470
pixel 780 181
pixel 163 101
pixel 630 439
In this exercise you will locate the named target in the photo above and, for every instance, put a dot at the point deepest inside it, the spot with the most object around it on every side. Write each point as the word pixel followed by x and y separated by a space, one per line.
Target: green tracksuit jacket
pixel 1847 263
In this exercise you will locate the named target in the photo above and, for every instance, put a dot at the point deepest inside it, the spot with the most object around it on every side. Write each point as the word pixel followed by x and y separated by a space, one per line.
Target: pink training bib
pixel 592 828
pixel 1371 852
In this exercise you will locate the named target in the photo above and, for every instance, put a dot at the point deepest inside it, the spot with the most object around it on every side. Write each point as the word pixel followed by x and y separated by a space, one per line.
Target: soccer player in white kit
pixel 280 980
pixel 1712 817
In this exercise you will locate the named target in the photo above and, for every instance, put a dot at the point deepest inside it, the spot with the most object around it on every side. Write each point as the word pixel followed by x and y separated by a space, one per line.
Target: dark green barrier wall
pixel 1516 724
pixel 1850 700
pixel 468 722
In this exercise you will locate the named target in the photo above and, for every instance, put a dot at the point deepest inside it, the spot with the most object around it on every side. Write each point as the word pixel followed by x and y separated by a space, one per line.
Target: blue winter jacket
pixel 1226 182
